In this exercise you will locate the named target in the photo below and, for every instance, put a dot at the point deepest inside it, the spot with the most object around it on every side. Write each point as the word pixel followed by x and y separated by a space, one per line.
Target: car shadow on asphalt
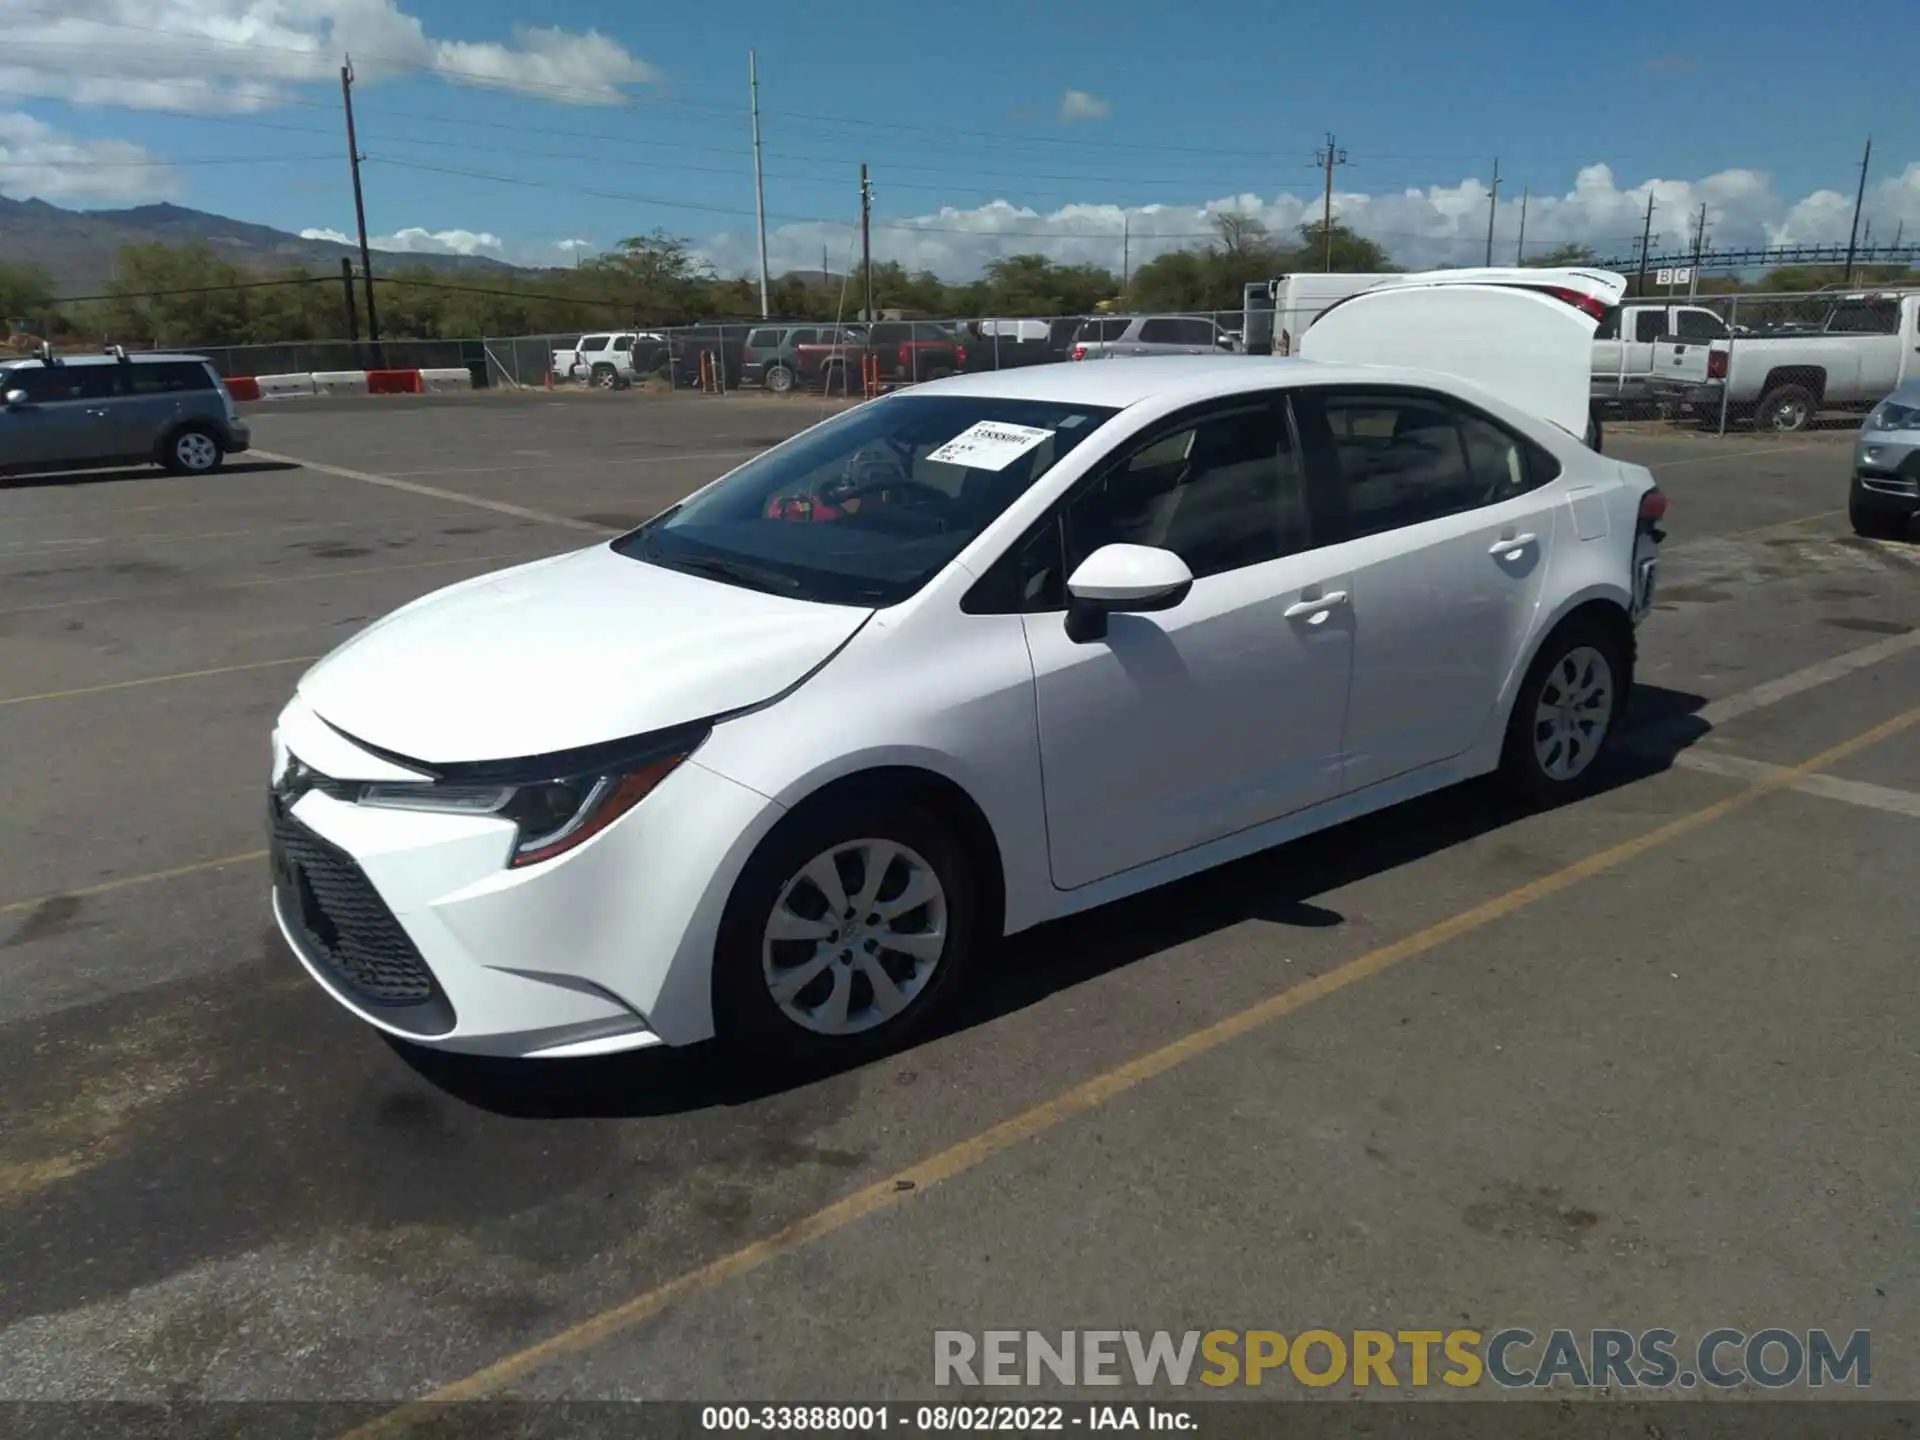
pixel 68 478
pixel 1279 887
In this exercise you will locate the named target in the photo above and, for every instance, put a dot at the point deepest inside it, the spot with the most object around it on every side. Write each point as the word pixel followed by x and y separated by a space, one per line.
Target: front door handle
pixel 1319 608
pixel 1510 548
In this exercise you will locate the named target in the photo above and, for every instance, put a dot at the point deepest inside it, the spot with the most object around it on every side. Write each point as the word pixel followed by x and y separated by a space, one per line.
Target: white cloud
pixel 1079 105
pixel 244 55
pixel 1435 226
pixel 38 161
pixel 320 234
pixel 420 240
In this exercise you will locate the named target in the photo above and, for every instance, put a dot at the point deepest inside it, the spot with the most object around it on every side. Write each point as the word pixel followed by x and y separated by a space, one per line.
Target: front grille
pixel 347 927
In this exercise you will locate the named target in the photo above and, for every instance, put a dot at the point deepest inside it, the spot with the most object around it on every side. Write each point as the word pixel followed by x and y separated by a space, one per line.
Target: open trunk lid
pixel 1523 335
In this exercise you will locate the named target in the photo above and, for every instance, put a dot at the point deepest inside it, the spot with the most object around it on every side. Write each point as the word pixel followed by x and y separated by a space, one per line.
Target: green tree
pixel 1560 256
pixel 1353 254
pixel 26 294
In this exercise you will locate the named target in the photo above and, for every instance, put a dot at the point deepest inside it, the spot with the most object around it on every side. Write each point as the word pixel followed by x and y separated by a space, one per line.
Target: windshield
pixel 867 508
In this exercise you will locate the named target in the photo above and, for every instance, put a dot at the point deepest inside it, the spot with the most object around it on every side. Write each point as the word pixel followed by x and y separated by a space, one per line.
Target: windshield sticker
pixel 989 445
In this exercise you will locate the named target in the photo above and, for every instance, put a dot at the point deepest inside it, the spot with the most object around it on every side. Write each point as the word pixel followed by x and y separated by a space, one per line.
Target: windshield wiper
pixel 721 568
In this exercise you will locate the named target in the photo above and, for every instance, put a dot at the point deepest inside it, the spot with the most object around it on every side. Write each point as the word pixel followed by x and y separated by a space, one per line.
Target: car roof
pixel 144 357
pixel 1119 383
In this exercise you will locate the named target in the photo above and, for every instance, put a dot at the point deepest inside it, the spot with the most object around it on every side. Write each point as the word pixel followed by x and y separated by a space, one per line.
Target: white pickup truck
pixel 1625 345
pixel 1863 349
pixel 606 359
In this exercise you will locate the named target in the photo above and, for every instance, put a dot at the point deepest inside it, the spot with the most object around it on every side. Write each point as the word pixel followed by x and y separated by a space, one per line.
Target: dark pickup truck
pixel 904 352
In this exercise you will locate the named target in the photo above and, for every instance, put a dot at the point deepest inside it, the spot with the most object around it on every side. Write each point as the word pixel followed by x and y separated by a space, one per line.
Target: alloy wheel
pixel 854 937
pixel 1574 710
pixel 196 451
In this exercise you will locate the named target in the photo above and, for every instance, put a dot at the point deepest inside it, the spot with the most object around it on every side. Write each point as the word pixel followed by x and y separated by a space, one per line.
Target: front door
pixel 65 420
pixel 1181 727
pixel 1449 524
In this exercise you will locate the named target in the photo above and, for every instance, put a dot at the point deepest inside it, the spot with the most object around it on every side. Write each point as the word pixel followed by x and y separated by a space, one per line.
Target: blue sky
pixel 231 106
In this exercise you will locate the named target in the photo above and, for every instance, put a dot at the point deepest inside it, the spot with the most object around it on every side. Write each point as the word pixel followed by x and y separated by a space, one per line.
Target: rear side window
pixel 593 342
pixel 1700 325
pixel 46 384
pixel 804 337
pixel 623 342
pixel 1200 332
pixel 169 377
pixel 1865 318
pixel 1163 332
pixel 763 339
pixel 1101 331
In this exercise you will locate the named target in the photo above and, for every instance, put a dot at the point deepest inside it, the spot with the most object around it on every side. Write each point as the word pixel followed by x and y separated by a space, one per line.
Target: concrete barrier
pixel 440 381
pixel 243 387
pixel 340 382
pixel 278 387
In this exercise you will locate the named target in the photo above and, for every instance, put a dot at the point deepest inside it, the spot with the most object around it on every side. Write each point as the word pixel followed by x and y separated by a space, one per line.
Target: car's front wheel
pixel 849 926
pixel 193 451
pixel 779 380
pixel 1567 713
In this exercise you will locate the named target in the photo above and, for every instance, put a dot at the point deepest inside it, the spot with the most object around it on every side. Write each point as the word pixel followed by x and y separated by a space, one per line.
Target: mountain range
pixel 77 247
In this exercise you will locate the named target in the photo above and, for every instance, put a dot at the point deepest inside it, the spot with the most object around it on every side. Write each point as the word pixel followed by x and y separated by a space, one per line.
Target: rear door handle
pixel 1509 548
pixel 1319 608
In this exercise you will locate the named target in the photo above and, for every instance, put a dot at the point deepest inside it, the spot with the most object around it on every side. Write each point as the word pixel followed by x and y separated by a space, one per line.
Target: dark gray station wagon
pixel 81 412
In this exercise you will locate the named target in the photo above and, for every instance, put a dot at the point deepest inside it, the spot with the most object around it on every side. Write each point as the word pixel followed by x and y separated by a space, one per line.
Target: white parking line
pixel 1829 787
pixel 1732 707
pixel 499 507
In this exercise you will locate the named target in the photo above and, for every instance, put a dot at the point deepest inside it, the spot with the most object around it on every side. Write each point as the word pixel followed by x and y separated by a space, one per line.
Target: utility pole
pixel 1646 239
pixel 359 204
pixel 866 238
pixel 346 289
pixel 1699 249
pixel 759 184
pixel 1520 245
pixel 1493 206
pixel 1126 253
pixel 1326 160
pixel 1859 199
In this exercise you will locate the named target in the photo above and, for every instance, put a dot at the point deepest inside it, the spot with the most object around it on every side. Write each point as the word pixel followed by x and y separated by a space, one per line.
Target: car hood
pixel 566 652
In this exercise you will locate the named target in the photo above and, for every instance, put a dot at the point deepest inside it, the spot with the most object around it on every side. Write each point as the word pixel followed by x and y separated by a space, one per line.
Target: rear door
pixel 1446 521
pixel 157 395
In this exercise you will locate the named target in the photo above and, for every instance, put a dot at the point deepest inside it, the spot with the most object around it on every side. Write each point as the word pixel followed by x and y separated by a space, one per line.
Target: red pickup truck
pixel 904 352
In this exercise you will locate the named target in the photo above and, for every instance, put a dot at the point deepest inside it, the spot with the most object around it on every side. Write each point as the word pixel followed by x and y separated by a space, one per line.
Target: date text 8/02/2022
pixel 942 1419
pixel 1657 1359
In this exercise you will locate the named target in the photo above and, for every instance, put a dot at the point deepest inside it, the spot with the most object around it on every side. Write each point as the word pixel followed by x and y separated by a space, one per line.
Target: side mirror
pixel 16 398
pixel 1123 580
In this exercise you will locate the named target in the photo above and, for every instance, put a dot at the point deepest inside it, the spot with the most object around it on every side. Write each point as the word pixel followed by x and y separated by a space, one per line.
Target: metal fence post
pixel 1726 382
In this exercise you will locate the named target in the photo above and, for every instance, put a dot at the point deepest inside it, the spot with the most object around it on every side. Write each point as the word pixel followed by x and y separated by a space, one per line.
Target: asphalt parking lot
pixel 1645 1061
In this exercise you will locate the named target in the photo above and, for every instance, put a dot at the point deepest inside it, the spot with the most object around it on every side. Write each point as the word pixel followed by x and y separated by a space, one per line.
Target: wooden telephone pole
pixel 359 203
pixel 866 239
pixel 1326 160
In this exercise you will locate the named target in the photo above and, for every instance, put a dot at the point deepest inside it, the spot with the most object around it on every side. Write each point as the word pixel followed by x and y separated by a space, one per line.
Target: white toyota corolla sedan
pixel 779 763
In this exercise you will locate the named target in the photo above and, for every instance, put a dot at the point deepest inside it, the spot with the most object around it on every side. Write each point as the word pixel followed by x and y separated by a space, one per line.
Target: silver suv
pixel 81 412
pixel 1150 335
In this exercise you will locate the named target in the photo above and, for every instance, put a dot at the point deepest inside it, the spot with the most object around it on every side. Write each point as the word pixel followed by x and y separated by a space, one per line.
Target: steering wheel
pixel 916 490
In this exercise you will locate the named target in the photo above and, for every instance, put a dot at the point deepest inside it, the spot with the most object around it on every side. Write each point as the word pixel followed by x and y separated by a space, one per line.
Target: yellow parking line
pixel 127 882
pixel 155 680
pixel 913 1182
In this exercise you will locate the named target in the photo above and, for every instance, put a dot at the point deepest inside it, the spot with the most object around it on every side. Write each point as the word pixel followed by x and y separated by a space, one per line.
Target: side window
pixel 43 383
pixel 1701 325
pixel 1199 332
pixel 1650 325
pixel 1505 464
pixel 802 337
pixel 1402 459
pixel 168 378
pixel 593 342
pixel 1161 332
pixel 762 339
pixel 1222 492
pixel 1609 327
pixel 623 343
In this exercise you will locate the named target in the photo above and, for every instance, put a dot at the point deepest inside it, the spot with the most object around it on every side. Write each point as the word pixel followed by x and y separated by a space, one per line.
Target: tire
pixel 605 377
pixel 1594 434
pixel 802 1025
pixel 1872 523
pixel 1544 762
pixel 193 450
pixel 1786 410
pixel 779 380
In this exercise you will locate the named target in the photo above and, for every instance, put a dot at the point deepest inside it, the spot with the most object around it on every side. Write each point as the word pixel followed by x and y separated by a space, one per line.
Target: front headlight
pixel 1889 416
pixel 550 816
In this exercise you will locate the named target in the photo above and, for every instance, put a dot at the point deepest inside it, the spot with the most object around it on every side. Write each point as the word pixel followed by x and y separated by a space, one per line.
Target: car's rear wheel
pixel 605 377
pixel 779 380
pixel 194 450
pixel 1567 713
pixel 848 927
pixel 1788 409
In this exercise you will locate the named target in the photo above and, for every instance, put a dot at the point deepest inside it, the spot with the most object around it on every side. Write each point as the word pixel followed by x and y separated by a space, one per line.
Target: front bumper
pixel 412 920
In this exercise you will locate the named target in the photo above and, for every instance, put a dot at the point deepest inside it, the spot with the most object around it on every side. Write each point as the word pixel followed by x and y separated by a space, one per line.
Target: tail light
pixel 959 355
pixel 747 357
pixel 1079 353
pixel 1653 509
pixel 906 355
pixel 1716 364
pixel 1595 307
